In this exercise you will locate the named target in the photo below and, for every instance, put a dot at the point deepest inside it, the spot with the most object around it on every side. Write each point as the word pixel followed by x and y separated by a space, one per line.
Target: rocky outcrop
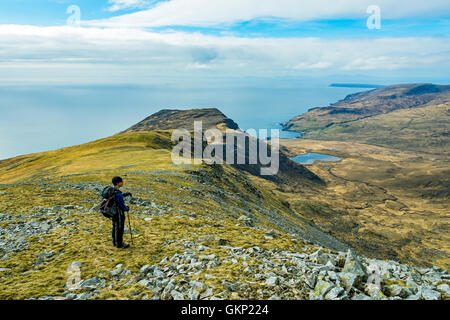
pixel 271 274
pixel 184 119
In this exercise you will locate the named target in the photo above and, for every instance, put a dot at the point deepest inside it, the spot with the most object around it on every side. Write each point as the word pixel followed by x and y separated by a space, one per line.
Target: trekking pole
pixel 129 226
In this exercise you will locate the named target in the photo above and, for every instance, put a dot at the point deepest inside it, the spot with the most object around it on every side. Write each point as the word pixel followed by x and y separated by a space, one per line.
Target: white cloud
pixel 117 5
pixel 55 54
pixel 310 66
pixel 197 65
pixel 218 12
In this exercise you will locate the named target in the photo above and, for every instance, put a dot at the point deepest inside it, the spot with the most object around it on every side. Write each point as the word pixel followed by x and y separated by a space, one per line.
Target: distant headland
pixel 355 85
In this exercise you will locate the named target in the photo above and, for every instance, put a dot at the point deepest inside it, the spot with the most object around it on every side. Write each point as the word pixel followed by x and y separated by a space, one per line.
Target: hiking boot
pixel 124 245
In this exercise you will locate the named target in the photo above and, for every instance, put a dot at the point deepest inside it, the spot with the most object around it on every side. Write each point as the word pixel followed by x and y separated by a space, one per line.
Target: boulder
pixel 350 280
pixel 246 220
pixel 92 283
pixel 335 293
pixel 320 257
pixel 444 289
pixel 145 269
pixel 116 270
pixel 309 280
pixel 375 292
pixel 398 291
pixel 176 295
pixel 272 281
pixel 354 265
pixel 322 288
pixel 430 294
pixel 193 294
pixel 159 274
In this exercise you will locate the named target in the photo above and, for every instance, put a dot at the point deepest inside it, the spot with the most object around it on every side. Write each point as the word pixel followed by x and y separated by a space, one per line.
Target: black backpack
pixel 107 206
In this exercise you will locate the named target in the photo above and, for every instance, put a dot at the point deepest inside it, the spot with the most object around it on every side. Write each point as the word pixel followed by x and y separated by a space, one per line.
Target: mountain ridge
pixel 369 103
pixel 171 119
pixel 392 116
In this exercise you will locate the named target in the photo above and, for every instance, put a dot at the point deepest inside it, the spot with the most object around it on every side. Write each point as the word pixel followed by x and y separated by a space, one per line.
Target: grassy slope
pixel 138 149
pixel 200 203
pixel 390 194
pixel 419 129
pixel 89 240
pixel 371 103
pixel 388 203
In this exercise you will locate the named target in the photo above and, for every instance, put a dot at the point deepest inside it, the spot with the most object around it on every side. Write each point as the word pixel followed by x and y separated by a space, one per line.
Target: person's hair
pixel 116 180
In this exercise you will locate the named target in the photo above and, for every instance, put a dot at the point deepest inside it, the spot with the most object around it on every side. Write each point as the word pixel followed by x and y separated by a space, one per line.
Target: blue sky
pixel 53 13
pixel 203 45
pixel 125 41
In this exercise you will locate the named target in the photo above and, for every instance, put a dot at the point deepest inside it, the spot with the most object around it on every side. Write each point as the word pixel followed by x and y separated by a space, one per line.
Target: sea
pixel 37 118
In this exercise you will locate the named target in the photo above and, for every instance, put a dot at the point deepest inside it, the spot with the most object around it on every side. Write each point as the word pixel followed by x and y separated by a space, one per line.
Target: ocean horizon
pixel 70 115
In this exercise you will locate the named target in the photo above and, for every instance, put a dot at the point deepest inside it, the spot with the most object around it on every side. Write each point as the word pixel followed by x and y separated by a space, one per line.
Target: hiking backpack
pixel 108 202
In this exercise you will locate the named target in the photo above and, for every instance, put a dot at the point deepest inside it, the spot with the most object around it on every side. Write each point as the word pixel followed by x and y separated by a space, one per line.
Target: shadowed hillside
pixel 289 172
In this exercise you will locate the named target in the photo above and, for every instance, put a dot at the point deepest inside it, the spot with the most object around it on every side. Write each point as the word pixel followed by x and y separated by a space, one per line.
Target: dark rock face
pixel 427 88
pixel 177 119
pixel 346 110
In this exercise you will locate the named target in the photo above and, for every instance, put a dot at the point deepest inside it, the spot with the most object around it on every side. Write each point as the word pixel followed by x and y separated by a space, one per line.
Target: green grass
pixel 386 203
pixel 423 129
pixel 143 159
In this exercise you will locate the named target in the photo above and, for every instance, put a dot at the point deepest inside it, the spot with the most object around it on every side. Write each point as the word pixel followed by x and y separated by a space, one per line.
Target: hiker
pixel 118 217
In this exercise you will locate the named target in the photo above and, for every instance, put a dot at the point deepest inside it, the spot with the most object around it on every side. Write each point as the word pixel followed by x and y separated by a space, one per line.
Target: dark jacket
pixel 120 202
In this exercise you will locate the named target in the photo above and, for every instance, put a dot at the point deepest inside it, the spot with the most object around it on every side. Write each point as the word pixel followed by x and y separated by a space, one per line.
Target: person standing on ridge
pixel 118 219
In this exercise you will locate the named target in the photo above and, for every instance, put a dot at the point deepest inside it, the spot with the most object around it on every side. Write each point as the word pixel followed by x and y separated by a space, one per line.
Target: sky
pixel 130 41
pixel 209 44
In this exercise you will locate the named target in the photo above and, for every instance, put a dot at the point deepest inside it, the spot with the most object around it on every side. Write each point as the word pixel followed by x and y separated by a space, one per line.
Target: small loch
pixel 310 158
